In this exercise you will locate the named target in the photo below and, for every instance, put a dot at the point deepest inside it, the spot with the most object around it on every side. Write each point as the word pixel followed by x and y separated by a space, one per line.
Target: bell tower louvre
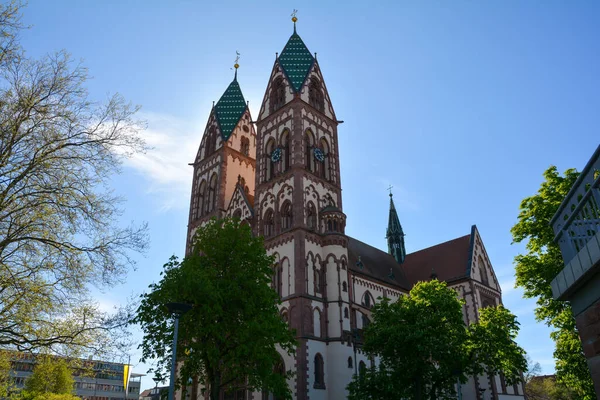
pixel 283 179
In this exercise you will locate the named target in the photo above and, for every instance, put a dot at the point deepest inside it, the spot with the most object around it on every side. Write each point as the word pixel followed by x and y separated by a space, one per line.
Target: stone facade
pixel 288 188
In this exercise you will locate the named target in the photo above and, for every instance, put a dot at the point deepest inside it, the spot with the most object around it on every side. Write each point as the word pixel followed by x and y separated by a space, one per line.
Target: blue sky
pixel 459 105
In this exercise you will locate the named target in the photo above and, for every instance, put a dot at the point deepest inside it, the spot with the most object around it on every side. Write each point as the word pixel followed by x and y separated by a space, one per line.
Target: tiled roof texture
pixel 296 61
pixel 449 260
pixel 229 109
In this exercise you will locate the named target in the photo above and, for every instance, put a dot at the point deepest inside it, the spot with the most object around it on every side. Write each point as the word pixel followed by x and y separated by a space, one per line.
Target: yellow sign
pixel 126 375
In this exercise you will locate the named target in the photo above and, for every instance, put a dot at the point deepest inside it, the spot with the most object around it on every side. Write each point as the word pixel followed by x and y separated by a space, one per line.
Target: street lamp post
pixel 177 309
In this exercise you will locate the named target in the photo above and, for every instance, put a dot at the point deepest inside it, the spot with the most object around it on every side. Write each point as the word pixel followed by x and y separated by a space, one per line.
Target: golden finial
pixel 237 58
pixel 294 16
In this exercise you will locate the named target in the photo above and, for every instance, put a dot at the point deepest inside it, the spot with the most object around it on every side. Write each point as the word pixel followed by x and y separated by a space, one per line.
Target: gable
pixel 240 203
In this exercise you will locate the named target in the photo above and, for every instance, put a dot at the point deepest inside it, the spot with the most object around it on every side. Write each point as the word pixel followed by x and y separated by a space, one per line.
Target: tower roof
pixel 230 108
pixel 394 226
pixel 296 61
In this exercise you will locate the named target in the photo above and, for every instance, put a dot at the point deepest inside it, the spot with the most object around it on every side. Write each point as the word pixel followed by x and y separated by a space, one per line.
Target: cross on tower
pixel 390 189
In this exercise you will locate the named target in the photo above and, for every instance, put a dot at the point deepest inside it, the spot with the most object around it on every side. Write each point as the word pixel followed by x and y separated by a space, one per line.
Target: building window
pixel 245 146
pixel 286 215
pixel 270 173
pixel 311 216
pixel 368 301
pixel 237 214
pixel 315 95
pixel 212 194
pixel 346 313
pixel 326 167
pixel 365 321
pixel 285 149
pixel 318 281
pixel 344 287
pixel 277 94
pixel 350 364
pixel 268 224
pixel 362 368
pixel 310 144
pixel 319 372
pixel 211 142
pixel 201 199
pixel 277 281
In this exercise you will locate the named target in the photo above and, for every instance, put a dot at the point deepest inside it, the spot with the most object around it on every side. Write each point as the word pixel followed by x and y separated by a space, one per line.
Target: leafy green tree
pixel 59 233
pixel 546 388
pixel 536 269
pixel 229 339
pixel 424 346
pixel 5 378
pixel 51 377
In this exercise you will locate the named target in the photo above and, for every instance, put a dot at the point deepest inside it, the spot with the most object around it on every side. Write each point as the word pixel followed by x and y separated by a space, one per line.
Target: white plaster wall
pixel 314 347
pixel 285 257
pixel 337 370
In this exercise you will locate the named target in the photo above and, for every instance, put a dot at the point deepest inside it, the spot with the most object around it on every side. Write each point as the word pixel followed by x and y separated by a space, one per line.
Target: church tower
pixel 226 159
pixel 298 210
pixel 395 234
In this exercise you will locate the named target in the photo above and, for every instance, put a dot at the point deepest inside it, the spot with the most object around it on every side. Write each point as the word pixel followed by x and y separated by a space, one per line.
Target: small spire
pixel 395 234
pixel 294 19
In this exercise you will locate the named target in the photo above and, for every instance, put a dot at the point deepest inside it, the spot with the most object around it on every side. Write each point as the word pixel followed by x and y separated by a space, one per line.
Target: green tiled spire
pixel 230 108
pixel 296 61
pixel 395 235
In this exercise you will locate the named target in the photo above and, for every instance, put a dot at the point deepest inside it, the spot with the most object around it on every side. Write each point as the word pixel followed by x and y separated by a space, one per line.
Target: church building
pixel 280 173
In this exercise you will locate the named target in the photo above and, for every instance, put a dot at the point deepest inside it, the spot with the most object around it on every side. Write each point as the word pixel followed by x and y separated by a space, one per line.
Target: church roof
pixel 449 261
pixel 377 264
pixel 296 61
pixel 230 108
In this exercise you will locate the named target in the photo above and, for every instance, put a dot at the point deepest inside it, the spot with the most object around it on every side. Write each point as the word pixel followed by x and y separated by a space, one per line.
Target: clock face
pixel 319 154
pixel 276 155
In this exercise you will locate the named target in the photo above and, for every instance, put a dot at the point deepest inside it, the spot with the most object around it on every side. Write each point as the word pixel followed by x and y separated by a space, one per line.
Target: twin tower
pixel 281 175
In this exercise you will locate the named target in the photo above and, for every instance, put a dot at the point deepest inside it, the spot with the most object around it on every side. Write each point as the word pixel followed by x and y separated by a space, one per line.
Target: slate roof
pixel 230 108
pixel 296 61
pixel 375 263
pixel 450 261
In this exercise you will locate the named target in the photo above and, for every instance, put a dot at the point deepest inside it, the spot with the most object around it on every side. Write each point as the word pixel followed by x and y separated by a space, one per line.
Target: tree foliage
pixel 536 269
pixel 51 377
pixel 424 346
pixel 546 388
pixel 229 339
pixel 58 218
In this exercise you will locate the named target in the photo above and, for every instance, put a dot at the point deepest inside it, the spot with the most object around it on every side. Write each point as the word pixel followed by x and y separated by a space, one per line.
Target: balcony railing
pixel 576 224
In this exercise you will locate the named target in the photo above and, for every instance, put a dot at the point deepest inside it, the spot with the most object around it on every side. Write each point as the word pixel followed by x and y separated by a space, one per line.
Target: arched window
pixel 368 301
pixel 212 194
pixel 201 199
pixel 326 167
pixel 329 226
pixel 317 322
pixel 211 141
pixel 311 216
pixel 365 321
pixel 482 271
pixel 237 214
pixel 268 224
pixel 346 313
pixel 277 281
pixel 284 315
pixel 350 365
pixel 362 368
pixel 285 148
pixel 310 144
pixel 270 173
pixel 277 94
pixel 245 146
pixel 286 215
pixel 319 372
pixel 315 94
pixel 318 280
pixel 344 287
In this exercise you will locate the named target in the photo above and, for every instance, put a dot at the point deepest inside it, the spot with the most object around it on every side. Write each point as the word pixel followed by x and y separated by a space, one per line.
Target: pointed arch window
pixel 315 94
pixel 326 164
pixel 350 362
pixel 310 144
pixel 344 286
pixel 368 300
pixel 237 214
pixel 212 195
pixel 285 148
pixel 277 281
pixel 245 146
pixel 362 368
pixel 201 198
pixel 268 224
pixel 211 141
pixel 286 216
pixel 319 371
pixel 277 94
pixel 270 172
pixel 346 313
pixel 311 216
pixel 318 281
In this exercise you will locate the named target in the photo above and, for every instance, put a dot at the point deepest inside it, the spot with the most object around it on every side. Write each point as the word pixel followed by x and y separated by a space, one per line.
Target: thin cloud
pixel 174 144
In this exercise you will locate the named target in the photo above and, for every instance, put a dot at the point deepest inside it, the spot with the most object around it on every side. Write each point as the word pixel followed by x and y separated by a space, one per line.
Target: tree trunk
pixel 215 386
pixel 195 388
